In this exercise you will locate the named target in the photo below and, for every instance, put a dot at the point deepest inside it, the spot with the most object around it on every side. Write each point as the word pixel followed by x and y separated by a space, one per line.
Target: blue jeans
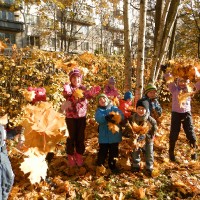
pixel 7 175
pixel 149 154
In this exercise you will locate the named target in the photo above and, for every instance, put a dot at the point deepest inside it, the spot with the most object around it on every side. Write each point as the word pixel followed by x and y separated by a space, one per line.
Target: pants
pixel 149 154
pixel 76 139
pixel 108 149
pixel 186 120
pixel 7 175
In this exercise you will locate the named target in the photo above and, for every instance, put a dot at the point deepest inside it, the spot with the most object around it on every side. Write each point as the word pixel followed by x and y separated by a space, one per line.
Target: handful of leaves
pixel 114 127
pixel 139 130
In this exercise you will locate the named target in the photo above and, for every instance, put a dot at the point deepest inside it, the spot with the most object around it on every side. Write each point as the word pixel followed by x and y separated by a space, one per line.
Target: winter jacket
pixel 154 106
pixel 111 92
pixel 105 135
pixel 135 118
pixel 124 106
pixel 175 90
pixel 77 107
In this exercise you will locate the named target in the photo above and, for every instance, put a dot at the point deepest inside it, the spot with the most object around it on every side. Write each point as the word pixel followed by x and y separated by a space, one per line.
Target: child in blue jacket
pixel 150 94
pixel 108 141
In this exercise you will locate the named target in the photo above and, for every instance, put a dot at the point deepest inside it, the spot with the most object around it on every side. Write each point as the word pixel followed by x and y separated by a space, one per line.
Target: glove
pixel 109 118
pixel 67 89
pixel 95 90
pixel 163 68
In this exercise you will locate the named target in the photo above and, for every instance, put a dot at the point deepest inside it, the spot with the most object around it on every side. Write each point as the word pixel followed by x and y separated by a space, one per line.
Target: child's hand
pixel 109 118
pixel 67 89
pixel 197 74
pixel 95 90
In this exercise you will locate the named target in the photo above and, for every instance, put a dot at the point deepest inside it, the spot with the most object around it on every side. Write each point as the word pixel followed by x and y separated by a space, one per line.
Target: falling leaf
pixel 4 119
pixel 29 95
pixel 35 165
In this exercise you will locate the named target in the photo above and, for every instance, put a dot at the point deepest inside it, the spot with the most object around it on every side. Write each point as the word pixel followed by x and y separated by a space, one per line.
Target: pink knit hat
pixel 75 72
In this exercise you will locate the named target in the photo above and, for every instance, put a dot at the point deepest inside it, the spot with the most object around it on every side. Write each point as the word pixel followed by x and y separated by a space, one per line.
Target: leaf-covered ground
pixel 180 180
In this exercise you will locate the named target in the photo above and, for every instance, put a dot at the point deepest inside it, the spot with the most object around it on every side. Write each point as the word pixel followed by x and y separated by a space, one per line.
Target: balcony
pixel 118 42
pixel 82 20
pixel 114 27
pixel 6 4
pixel 13 26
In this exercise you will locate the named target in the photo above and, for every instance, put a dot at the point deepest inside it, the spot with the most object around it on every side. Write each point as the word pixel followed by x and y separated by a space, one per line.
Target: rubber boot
pixel 78 159
pixel 171 152
pixel 71 160
pixel 194 154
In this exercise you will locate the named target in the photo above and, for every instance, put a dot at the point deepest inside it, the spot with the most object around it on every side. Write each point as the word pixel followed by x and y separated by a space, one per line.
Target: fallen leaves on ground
pixel 171 180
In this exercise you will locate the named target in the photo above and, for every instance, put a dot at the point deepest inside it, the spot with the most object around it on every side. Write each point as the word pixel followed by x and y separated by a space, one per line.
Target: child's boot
pixel 171 151
pixel 79 159
pixel 194 154
pixel 71 160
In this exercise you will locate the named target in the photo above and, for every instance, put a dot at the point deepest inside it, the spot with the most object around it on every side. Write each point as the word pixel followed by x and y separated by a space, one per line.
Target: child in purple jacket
pixel 181 114
pixel 76 103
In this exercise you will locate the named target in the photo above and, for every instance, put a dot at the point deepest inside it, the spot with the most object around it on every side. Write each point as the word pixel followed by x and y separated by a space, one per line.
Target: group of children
pixel 148 110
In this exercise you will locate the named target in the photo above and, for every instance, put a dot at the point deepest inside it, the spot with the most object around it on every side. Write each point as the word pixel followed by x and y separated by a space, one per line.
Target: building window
pixel 32 19
pixel 85 46
pixel 6 15
pixel 74 45
pixel 8 38
pixel 33 41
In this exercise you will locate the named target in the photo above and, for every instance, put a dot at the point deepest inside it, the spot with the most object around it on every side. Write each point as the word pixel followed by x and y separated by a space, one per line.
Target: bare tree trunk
pixel 171 45
pixel 159 41
pixel 127 49
pixel 141 49
pixel 158 15
pixel 171 18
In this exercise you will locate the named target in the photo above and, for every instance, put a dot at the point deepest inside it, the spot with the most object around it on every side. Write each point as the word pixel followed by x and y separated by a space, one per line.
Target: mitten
pixel 94 90
pixel 163 68
pixel 67 89
pixel 109 118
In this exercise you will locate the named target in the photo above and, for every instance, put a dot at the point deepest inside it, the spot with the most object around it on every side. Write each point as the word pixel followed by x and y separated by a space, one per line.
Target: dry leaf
pixel 35 165
pixel 78 93
pixel 113 127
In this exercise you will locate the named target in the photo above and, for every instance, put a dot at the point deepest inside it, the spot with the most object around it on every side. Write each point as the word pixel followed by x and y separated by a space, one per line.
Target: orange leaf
pixel 78 93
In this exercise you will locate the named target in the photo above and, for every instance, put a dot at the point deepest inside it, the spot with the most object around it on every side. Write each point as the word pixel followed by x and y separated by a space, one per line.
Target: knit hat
pixel 149 88
pixel 128 95
pixel 111 81
pixel 143 103
pixel 102 95
pixel 75 72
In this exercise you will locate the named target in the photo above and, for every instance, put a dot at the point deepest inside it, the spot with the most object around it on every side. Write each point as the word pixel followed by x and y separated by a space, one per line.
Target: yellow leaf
pixel 4 120
pixel 35 165
pixel 113 127
pixel 78 93
pixel 29 95
pixel 116 117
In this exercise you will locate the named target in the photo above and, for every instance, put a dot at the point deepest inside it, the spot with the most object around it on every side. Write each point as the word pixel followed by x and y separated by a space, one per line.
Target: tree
pixel 127 50
pixel 141 49
pixel 164 35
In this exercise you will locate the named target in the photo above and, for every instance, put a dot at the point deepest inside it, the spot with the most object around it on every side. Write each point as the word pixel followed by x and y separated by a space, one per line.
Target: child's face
pixel 152 94
pixel 182 83
pixel 141 111
pixel 76 81
pixel 103 101
pixel 129 100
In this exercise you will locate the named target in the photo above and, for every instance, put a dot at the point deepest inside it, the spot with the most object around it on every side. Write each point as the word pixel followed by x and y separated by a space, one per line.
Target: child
pixel 181 114
pixel 143 140
pixel 108 141
pixel 76 103
pixel 150 94
pixel 40 94
pixel 7 175
pixel 110 89
pixel 125 105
